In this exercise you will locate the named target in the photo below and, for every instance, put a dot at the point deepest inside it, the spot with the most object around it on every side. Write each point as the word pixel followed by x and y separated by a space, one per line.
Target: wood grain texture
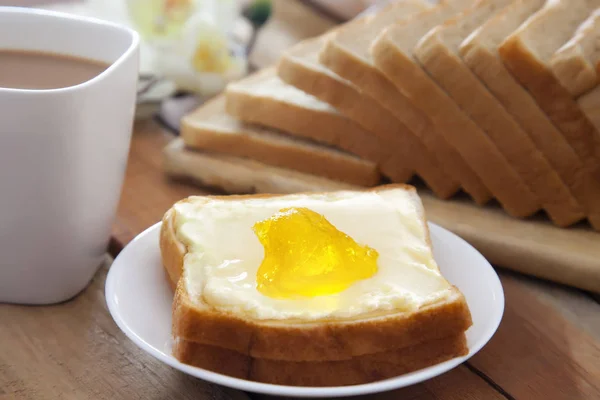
pixel 548 345
pixel 74 351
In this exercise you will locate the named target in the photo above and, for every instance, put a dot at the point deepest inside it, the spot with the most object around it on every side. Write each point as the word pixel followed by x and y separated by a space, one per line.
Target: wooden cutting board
pixel 534 246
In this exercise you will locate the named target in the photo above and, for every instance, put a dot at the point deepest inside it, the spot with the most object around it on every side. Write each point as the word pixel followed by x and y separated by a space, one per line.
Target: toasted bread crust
pixel 357 370
pixel 319 341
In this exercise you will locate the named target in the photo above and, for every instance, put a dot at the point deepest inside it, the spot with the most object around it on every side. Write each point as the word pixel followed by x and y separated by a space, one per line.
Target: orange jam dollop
pixel 306 256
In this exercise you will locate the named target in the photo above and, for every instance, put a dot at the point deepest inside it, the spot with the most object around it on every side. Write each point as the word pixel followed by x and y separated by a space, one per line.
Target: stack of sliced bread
pixel 497 98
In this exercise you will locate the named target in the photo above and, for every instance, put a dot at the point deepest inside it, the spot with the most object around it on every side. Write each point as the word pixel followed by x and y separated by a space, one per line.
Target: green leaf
pixel 258 12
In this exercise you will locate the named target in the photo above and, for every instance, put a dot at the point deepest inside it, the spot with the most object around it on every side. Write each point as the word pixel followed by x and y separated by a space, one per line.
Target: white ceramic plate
pixel 139 299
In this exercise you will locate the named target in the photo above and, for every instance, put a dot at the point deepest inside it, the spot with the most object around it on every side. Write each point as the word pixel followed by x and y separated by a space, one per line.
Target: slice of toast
pixel 574 64
pixel 232 322
pixel 299 67
pixel 237 175
pixel 347 54
pixel 480 53
pixel 438 53
pixel 211 129
pixel 360 369
pixel 266 100
pixel 527 53
pixel 392 53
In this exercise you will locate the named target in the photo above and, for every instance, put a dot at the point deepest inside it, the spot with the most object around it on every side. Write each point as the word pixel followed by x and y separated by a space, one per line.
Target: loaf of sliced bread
pixel 574 64
pixel 272 332
pixel 299 67
pixel 480 53
pixel 237 175
pixel 437 52
pixel 266 100
pixel 211 129
pixel 347 54
pixel 527 53
pixel 393 54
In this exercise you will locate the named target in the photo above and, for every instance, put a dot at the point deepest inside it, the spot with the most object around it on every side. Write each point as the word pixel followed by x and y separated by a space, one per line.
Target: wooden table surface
pixel 547 346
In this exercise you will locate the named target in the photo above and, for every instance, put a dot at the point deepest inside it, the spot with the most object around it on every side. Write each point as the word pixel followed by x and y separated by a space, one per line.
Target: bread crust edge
pixel 361 369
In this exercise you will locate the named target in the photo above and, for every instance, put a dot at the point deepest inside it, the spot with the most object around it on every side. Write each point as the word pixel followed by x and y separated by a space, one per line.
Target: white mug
pixel 63 154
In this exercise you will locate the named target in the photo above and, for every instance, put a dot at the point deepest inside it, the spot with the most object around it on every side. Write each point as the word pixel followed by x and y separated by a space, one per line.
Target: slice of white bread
pixel 299 67
pixel 357 370
pixel 527 53
pixel 574 64
pixel 266 100
pixel 211 129
pixel 392 53
pixel 293 340
pixel 480 52
pixel 437 52
pixel 347 54
pixel 236 175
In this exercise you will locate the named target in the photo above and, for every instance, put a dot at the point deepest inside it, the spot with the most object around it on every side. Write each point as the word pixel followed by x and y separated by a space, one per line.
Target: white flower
pixel 191 44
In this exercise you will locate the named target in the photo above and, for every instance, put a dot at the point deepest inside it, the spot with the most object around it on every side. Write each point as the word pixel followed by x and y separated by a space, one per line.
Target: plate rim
pixel 302 391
